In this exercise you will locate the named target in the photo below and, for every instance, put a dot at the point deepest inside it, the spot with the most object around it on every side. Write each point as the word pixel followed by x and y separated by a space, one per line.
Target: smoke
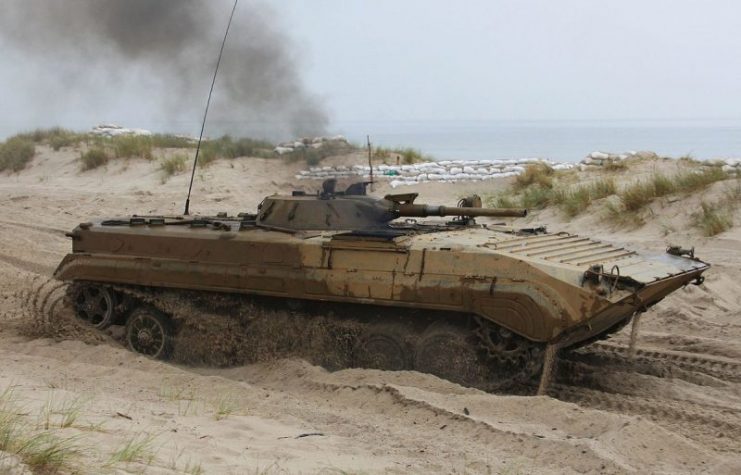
pixel 157 57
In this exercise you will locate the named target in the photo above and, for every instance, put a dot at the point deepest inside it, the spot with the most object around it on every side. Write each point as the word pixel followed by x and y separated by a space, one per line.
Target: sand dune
pixel 676 408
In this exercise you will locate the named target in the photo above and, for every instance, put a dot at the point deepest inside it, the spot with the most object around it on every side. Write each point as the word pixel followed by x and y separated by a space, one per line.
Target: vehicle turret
pixel 354 210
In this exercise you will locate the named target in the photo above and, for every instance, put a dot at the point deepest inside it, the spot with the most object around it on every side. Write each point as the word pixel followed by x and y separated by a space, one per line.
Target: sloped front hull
pixel 611 318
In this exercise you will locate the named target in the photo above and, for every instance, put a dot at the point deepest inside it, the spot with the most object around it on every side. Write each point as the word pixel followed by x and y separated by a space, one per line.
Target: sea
pixel 558 140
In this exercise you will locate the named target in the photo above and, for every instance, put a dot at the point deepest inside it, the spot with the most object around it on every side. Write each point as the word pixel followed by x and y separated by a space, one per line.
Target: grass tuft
pixel 536 197
pixel 405 155
pixel 132 146
pixel 503 200
pixel 615 166
pixel 193 468
pixel 636 196
pixel 224 407
pixel 136 449
pixel 227 147
pixel 46 453
pixel 713 219
pixel 16 153
pixel 171 166
pixel 172 141
pixel 42 452
pixel 55 137
pixel 717 217
pixel 70 412
pixel 641 193
pixel 539 174
pixel 410 156
pixel 94 158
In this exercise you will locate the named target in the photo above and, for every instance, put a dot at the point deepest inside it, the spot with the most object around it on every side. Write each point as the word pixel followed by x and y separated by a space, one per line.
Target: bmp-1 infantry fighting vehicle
pixel 456 298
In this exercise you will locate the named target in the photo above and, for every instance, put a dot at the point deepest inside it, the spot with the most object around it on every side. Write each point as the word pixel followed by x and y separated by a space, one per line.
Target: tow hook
pixel 680 251
pixel 699 280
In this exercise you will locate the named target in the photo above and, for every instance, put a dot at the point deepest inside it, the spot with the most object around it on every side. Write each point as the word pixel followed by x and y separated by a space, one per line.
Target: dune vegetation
pixel 405 155
pixel 96 150
pixel 540 187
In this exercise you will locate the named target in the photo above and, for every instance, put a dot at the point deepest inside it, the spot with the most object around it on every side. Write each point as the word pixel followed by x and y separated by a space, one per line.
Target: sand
pixel 674 408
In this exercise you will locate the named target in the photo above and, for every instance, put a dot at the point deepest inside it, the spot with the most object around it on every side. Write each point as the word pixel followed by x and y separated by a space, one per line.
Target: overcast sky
pixel 474 59
pixel 524 59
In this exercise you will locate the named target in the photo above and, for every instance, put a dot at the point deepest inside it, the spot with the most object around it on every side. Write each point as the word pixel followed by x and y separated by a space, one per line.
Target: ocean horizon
pixel 558 140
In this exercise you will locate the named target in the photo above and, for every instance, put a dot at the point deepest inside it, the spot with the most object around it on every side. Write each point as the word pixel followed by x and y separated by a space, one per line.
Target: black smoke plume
pixel 166 49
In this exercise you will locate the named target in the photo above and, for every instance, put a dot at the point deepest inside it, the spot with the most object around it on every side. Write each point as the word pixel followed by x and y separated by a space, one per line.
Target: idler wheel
pixel 383 347
pixel 150 333
pixel 94 305
pixel 447 351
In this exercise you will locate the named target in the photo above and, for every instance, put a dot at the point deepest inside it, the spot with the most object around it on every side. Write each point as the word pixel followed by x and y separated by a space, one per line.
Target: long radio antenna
pixel 208 104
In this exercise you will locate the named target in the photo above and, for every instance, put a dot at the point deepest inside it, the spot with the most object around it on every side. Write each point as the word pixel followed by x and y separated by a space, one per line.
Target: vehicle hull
pixel 471 271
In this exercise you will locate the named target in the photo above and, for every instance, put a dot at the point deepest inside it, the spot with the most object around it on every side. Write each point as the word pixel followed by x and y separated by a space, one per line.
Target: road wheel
pixel 94 305
pixel 383 347
pixel 448 352
pixel 150 333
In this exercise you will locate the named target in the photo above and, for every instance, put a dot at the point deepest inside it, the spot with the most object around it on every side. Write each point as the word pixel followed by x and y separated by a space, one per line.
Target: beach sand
pixel 676 408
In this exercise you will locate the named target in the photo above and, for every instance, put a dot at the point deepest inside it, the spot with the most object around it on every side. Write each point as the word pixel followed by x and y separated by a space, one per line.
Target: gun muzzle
pixel 423 211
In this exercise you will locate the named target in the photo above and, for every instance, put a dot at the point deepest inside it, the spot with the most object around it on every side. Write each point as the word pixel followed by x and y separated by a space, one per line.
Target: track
pixel 604 376
pixel 709 426
pixel 27 266
pixel 724 369
pixel 34 227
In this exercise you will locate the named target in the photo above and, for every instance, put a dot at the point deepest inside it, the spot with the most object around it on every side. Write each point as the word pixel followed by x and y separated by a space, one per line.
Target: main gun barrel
pixel 422 211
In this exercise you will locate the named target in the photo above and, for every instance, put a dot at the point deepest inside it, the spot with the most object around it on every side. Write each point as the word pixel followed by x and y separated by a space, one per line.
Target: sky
pixel 403 60
pixel 522 59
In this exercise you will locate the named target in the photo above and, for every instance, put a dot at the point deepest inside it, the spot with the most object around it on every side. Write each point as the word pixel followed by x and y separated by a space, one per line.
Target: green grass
pixel 641 193
pixel 410 156
pixel 172 141
pixel 42 452
pixel 615 166
pixel 228 147
pixel 136 449
pixel 502 200
pixel 542 191
pixel 93 158
pixel 713 218
pixel 131 146
pixel 716 217
pixel 407 155
pixel 636 196
pixel 171 166
pixel 224 407
pixel 193 468
pixel 535 174
pixel 540 187
pixel 70 412
pixel 536 197
pixel 55 137
pixel 16 153
pixel 47 453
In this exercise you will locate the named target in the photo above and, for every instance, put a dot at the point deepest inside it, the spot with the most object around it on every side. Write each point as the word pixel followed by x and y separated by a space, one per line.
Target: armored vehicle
pixel 455 298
